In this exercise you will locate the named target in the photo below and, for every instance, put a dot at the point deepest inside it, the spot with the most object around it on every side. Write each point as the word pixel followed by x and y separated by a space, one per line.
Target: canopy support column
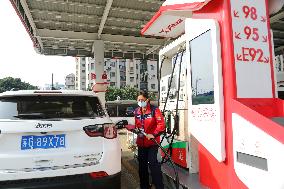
pixel 98 49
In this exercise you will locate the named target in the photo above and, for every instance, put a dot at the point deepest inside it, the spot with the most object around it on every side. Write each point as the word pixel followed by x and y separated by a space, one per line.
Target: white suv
pixel 56 139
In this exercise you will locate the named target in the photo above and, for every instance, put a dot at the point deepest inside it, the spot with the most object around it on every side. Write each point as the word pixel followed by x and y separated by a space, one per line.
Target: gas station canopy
pixel 70 27
pixel 169 20
pixel 277 26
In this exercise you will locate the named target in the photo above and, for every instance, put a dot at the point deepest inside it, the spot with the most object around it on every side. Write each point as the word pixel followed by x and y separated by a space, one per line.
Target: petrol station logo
pixel 172 26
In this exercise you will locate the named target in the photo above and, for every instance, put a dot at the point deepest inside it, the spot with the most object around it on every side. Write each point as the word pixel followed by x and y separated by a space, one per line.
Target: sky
pixel 18 57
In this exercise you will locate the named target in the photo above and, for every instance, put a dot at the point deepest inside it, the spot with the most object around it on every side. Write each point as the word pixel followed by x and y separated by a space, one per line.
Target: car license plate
pixel 42 142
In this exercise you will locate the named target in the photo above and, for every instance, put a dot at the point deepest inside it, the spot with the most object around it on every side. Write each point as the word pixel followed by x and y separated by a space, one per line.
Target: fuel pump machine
pixel 217 80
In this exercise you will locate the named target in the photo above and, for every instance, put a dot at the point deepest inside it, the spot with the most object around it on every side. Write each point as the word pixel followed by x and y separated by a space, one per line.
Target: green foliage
pixel 112 93
pixel 8 83
pixel 129 93
pixel 125 93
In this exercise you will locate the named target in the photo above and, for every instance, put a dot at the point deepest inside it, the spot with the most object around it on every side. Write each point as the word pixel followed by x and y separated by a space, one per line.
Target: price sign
pixel 251 48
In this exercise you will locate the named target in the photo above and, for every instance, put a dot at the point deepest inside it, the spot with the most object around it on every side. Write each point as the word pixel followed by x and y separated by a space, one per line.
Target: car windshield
pixel 50 107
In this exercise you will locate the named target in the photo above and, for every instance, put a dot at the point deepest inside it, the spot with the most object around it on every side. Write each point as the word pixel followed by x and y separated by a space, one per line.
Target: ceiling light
pixel 58 16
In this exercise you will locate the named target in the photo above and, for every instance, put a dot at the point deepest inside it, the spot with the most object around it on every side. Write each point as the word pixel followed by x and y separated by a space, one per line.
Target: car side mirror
pixel 121 124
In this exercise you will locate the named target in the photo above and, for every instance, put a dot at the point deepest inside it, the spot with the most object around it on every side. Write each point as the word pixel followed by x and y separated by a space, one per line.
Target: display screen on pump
pixel 202 79
pixel 206 109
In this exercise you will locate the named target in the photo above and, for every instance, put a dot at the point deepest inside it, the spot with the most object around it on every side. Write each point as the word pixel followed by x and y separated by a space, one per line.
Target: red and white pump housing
pixel 241 129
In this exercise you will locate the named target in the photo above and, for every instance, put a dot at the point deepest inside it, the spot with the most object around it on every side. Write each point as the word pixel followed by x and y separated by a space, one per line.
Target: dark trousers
pixel 145 156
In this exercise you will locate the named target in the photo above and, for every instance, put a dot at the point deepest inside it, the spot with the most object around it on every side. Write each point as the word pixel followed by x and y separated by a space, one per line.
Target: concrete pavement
pixel 129 177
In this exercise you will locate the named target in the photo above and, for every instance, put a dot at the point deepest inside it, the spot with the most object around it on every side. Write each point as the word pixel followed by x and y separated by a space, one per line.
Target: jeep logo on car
pixel 43 125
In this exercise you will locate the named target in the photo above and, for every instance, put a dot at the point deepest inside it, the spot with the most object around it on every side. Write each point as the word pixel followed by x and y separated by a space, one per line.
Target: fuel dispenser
pixel 228 102
pixel 194 94
pixel 173 102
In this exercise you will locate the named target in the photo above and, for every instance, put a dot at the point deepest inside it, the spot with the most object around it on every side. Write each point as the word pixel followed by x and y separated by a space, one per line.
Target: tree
pixel 129 93
pixel 125 93
pixel 9 83
pixel 112 93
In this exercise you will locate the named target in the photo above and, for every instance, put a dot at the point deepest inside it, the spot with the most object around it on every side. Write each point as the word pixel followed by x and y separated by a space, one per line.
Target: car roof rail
pixel 14 89
pixel 45 92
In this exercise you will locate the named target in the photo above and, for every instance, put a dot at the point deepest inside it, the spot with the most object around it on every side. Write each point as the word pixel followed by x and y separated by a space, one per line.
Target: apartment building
pixel 141 74
pixel 133 73
pixel 152 75
pixel 70 82
pixel 116 72
pixel 80 79
pixel 90 74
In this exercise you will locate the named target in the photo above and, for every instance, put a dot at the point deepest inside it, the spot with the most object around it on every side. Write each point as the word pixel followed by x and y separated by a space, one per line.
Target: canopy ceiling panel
pixel 53 25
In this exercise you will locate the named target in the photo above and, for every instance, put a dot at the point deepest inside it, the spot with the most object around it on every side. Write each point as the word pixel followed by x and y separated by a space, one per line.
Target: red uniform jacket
pixel 151 125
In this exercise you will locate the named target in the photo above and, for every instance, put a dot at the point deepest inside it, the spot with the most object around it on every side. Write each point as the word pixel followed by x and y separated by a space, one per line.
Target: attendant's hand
pixel 130 127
